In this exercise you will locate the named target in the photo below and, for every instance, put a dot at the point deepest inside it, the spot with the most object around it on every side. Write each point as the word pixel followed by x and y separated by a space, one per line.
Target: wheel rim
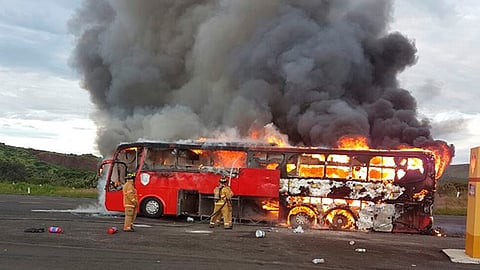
pixel 301 219
pixel 339 221
pixel 152 207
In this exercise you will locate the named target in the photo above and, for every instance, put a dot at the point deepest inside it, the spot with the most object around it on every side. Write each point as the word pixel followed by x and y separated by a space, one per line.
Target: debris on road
pixel 259 234
pixel 55 229
pixel 318 260
pixel 35 230
pixel 112 230
pixel 299 229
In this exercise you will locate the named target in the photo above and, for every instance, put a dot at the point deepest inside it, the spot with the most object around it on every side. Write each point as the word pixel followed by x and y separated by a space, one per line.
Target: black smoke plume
pixel 317 70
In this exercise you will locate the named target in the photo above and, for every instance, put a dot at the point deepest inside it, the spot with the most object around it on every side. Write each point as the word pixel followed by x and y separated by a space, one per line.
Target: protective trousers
pixel 222 209
pixel 130 215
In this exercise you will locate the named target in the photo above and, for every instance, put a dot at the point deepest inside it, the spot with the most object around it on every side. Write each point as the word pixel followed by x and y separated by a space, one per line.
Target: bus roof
pixel 252 146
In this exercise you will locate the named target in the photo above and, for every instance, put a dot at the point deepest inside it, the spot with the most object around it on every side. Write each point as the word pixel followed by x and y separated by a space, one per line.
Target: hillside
pixel 19 164
pixel 455 173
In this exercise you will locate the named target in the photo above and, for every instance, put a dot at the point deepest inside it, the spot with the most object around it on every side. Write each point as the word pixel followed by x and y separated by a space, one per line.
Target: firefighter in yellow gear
pixel 130 201
pixel 223 204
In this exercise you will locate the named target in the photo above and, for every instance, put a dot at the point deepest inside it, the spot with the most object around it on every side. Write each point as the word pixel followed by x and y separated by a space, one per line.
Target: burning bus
pixel 346 189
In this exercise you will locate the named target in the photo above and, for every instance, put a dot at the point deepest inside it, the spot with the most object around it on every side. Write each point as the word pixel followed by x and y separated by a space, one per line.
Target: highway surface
pixel 174 243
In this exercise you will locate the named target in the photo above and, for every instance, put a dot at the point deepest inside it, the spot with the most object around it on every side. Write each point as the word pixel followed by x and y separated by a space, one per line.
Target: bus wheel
pixel 301 216
pixel 152 207
pixel 340 219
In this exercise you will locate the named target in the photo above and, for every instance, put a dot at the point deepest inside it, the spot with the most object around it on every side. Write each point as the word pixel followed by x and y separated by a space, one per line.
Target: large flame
pixel 270 135
pixel 441 151
pixel 443 156
pixel 385 171
pixel 353 142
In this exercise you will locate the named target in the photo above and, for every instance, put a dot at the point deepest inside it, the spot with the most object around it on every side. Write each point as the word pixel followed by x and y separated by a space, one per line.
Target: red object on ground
pixel 55 229
pixel 112 230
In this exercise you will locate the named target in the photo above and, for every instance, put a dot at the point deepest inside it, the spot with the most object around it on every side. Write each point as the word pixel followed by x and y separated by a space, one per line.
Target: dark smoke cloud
pixel 317 70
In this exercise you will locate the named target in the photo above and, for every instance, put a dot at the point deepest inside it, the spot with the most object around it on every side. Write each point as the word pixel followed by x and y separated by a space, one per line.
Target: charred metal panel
pixel 355 190
pixel 377 217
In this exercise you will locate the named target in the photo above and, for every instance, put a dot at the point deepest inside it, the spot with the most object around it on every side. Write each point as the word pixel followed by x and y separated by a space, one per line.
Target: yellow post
pixel 472 237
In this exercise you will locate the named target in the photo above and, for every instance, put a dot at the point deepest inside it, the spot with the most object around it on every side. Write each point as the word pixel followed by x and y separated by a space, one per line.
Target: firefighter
pixel 130 202
pixel 223 204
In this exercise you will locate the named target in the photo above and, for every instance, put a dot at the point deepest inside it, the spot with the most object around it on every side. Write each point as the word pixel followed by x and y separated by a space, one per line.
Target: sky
pixel 43 106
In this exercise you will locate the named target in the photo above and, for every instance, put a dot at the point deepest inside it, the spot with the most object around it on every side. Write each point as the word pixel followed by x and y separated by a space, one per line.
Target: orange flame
pixel 353 142
pixel 269 134
pixel 224 158
pixel 443 156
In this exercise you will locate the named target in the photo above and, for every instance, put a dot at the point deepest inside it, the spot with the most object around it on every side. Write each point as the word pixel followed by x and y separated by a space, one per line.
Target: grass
pixel 450 204
pixel 21 188
pixel 450 211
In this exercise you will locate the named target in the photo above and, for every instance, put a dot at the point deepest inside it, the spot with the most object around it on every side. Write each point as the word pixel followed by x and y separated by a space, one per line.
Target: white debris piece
pixel 259 234
pixel 318 260
pixel 299 229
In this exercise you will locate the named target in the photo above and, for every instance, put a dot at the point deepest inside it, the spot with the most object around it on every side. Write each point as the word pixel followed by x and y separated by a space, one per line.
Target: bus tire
pixel 152 207
pixel 340 219
pixel 302 216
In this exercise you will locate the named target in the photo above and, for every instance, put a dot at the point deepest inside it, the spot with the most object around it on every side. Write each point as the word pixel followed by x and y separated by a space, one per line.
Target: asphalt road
pixel 170 243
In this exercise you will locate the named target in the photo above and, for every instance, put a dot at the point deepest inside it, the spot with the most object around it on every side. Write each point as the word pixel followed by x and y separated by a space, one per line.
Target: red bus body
pixel 370 190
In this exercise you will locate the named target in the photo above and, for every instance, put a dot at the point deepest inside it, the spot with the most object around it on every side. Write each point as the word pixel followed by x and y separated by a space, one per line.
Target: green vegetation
pixel 451 199
pixel 22 188
pixel 33 167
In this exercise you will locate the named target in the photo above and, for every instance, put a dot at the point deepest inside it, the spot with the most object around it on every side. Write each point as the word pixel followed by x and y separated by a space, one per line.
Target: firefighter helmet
pixel 130 176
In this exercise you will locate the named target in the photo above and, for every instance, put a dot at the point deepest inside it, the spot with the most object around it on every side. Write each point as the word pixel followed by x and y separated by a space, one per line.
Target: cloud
pixel 444 80
pixel 34 36
pixel 69 136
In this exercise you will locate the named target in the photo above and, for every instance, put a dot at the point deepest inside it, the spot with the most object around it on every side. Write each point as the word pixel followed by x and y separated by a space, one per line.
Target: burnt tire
pixel 301 219
pixel 340 219
pixel 152 208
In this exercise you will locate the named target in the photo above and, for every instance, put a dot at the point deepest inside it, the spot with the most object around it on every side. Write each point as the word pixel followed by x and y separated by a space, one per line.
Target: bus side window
pixel 159 158
pixel 291 166
pixel 382 168
pixel 190 159
pixel 359 168
pixel 265 160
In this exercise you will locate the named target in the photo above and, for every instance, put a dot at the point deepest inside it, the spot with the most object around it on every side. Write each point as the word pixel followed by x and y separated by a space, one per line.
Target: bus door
pixel 124 165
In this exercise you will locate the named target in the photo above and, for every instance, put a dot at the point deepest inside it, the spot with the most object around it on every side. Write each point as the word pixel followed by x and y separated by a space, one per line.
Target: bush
pixel 12 171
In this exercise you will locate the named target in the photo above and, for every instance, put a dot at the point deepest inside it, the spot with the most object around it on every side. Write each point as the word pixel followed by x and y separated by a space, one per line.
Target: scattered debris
pixel 55 229
pixel 318 260
pixel 35 230
pixel 352 243
pixel 189 219
pixel 260 234
pixel 361 250
pixel 112 230
pixel 299 229
pixel 200 232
